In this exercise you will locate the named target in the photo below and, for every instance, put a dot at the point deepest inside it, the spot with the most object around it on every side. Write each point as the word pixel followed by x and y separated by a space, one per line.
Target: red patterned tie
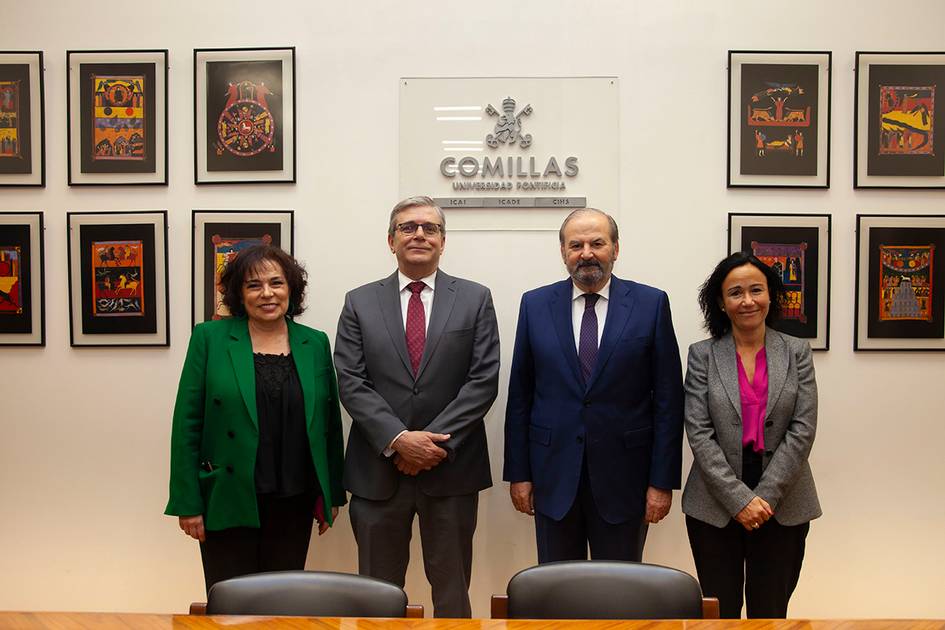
pixel 416 330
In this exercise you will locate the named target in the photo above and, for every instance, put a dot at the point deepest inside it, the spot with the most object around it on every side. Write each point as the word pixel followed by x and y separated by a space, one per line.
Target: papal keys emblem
pixel 245 126
pixel 508 129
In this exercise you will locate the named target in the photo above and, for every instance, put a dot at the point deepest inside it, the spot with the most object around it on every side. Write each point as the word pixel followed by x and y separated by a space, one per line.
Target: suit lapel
pixel 726 361
pixel 241 355
pixel 618 314
pixel 303 354
pixel 776 354
pixel 444 297
pixel 561 309
pixel 388 297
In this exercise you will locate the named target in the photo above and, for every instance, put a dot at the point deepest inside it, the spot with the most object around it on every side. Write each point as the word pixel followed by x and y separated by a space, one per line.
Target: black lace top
pixel 283 459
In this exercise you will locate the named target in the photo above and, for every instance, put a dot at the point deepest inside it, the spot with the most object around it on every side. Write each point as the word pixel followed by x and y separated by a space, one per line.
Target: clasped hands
pixel 755 514
pixel 416 451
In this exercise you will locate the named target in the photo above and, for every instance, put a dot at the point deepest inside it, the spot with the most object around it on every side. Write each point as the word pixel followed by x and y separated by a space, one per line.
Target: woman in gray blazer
pixel 751 415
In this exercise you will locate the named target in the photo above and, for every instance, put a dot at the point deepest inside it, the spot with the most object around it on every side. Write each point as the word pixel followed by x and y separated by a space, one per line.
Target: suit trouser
pixel 766 562
pixel 568 539
pixel 280 543
pixel 383 530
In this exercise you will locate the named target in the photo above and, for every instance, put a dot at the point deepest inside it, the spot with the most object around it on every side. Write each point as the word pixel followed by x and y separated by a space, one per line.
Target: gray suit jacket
pixel 714 492
pixel 456 384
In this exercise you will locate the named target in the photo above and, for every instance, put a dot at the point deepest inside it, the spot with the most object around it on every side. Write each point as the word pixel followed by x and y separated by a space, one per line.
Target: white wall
pixel 84 455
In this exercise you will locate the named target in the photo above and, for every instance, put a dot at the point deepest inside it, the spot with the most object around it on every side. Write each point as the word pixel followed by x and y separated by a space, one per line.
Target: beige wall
pixel 83 460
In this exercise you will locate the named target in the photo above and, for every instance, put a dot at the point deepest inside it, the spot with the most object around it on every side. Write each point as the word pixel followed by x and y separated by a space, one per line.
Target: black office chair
pixel 603 590
pixel 307 594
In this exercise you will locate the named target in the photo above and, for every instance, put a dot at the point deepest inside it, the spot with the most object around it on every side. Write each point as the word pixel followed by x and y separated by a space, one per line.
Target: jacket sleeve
pixel 718 475
pixel 666 461
pixel 519 405
pixel 475 397
pixel 371 414
pixel 187 431
pixel 335 438
pixel 795 447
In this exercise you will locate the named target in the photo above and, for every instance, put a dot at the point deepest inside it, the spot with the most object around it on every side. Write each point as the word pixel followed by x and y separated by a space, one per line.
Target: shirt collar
pixel 403 280
pixel 604 292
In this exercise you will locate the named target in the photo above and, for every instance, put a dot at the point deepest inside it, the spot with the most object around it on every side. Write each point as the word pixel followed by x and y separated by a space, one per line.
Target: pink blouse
pixel 754 399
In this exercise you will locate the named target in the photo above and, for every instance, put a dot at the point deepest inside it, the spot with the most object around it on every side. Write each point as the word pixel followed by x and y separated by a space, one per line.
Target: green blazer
pixel 215 422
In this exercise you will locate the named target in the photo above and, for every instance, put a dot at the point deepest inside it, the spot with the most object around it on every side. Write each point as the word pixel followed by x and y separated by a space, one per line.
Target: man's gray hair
pixel 420 201
pixel 614 234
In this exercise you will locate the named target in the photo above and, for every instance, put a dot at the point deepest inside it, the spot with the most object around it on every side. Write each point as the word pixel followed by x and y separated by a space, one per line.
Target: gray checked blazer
pixel 714 492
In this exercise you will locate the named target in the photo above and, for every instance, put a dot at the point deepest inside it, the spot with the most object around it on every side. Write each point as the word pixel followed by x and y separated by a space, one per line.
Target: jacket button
pixel 587 403
pixel 216 401
pixel 580 439
pixel 230 434
pixel 229 469
pixel 769 453
pixel 769 423
pixel 416 390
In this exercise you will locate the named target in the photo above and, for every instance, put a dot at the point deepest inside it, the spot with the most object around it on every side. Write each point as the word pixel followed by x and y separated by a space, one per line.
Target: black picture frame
pixel 900 269
pixel 23 119
pixel 778 119
pixel 22 279
pixel 894 141
pixel 216 232
pixel 244 128
pixel 117 120
pixel 800 244
pixel 118 279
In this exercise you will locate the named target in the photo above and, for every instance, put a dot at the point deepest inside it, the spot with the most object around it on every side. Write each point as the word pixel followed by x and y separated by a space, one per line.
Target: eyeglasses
pixel 409 229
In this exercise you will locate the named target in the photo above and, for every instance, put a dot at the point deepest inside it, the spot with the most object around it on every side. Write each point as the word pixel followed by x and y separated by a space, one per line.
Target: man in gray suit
pixel 417 356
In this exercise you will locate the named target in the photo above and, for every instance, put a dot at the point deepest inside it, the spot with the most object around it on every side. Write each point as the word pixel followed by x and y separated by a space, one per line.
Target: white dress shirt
pixel 577 312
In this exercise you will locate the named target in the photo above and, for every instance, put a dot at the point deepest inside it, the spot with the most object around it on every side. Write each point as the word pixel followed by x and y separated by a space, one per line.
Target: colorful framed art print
pixel 797 247
pixel 117 117
pixel 219 235
pixel 899 139
pixel 118 279
pixel 22 124
pixel 22 302
pixel 900 269
pixel 244 115
pixel 779 119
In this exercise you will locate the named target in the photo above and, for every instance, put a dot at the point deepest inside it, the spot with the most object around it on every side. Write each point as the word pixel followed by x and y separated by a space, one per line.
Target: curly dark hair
pixel 251 258
pixel 710 293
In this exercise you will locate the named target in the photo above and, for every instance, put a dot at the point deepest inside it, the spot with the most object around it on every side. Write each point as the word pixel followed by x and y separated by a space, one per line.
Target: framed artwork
pixel 900 269
pixel 244 115
pixel 118 278
pixel 797 246
pixel 779 119
pixel 22 122
pixel 117 120
pixel 899 104
pixel 22 305
pixel 219 235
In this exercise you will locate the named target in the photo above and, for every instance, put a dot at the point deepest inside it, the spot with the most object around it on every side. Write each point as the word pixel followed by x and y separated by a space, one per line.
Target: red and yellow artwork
pixel 905 282
pixel 118 117
pixel 907 119
pixel 9 119
pixel 11 292
pixel 117 270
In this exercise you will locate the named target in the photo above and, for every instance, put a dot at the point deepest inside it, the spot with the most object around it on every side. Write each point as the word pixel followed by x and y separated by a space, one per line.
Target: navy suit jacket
pixel 627 420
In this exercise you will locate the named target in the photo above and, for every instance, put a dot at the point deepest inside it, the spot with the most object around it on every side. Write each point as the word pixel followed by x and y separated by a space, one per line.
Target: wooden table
pixel 112 621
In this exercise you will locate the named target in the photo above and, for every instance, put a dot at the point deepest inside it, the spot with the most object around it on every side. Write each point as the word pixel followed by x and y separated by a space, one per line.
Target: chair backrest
pixel 307 594
pixel 603 590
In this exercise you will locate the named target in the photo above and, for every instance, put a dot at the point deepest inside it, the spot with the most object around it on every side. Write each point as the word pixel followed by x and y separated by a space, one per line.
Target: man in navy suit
pixel 593 427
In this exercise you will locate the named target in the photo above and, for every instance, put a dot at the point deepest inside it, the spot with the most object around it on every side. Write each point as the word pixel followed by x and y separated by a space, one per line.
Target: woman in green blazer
pixel 256 443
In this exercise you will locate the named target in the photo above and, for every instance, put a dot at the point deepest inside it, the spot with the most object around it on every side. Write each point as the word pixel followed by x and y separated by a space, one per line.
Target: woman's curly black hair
pixel 710 293
pixel 250 259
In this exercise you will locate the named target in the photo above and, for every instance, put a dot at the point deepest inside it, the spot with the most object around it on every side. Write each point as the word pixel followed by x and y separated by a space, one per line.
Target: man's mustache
pixel 588 263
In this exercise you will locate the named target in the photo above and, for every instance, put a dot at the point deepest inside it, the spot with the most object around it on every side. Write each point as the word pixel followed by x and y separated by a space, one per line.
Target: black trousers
pixel 383 530
pixel 583 526
pixel 765 562
pixel 280 543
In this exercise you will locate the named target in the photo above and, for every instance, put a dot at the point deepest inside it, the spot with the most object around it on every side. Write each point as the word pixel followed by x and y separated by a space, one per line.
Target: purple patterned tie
pixel 587 344
pixel 416 329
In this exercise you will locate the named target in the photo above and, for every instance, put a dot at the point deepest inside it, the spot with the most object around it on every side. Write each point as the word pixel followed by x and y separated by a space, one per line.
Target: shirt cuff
pixel 390 447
